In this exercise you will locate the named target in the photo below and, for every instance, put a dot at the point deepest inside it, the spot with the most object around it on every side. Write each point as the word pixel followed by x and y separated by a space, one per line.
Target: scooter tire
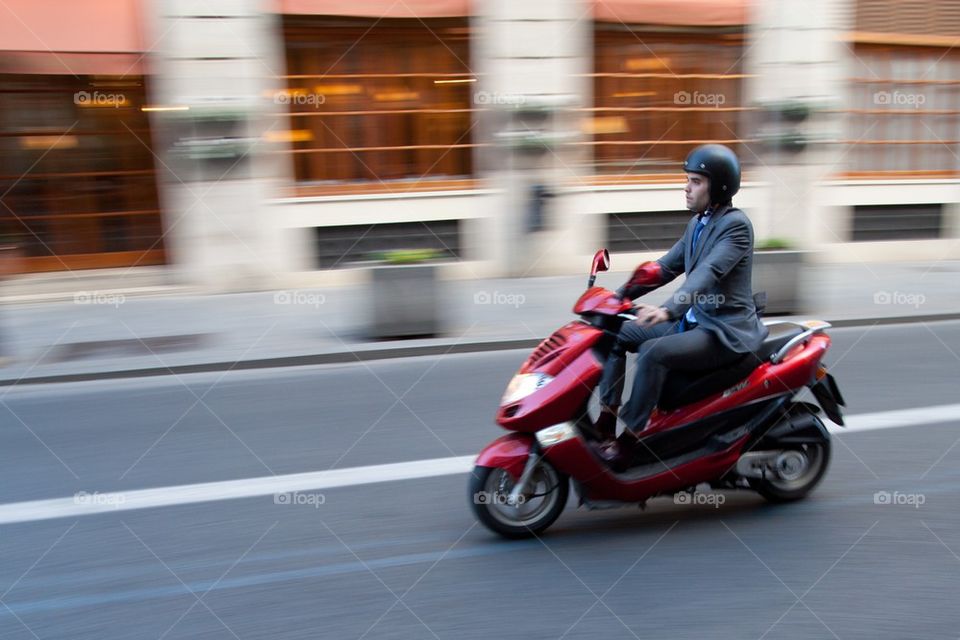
pixel 778 492
pixel 489 485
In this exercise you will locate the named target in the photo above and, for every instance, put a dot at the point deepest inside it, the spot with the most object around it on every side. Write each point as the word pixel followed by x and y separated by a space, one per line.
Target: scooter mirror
pixel 601 262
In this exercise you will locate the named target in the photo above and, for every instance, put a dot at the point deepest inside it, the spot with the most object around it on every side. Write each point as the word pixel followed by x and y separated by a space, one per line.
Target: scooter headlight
pixel 522 385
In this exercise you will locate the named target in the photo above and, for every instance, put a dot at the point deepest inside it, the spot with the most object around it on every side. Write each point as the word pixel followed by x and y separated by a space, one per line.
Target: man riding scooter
pixel 710 322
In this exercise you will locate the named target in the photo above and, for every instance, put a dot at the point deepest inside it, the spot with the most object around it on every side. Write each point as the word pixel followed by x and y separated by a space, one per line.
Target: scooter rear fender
pixel 797 427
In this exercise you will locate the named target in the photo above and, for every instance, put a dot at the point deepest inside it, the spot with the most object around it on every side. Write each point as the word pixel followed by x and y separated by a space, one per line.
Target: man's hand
pixel 649 315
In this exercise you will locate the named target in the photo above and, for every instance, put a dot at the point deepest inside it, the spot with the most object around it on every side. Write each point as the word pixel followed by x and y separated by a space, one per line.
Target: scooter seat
pixel 779 334
pixel 686 387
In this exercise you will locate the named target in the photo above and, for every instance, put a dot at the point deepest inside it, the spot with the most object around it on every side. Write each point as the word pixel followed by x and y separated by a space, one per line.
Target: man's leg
pixel 629 339
pixel 694 350
pixel 617 451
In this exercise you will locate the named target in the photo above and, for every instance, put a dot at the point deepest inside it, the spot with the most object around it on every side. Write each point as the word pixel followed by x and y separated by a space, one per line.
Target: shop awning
pixel 78 37
pixel 681 13
pixel 660 12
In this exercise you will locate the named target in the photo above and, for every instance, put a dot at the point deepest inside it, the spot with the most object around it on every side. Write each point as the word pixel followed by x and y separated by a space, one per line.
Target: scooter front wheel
pixel 536 508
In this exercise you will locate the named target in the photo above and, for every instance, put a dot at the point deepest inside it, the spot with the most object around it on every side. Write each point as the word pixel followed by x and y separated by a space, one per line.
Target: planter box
pixel 404 301
pixel 778 273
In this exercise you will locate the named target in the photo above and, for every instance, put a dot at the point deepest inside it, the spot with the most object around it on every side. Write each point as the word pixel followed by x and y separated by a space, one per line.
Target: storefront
pixel 77 173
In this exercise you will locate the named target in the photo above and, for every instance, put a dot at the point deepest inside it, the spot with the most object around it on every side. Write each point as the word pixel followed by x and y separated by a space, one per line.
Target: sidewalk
pixel 146 333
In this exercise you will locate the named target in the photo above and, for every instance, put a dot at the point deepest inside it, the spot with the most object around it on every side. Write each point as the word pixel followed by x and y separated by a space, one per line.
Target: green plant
pixel 790 141
pixel 773 244
pixel 210 132
pixel 408 256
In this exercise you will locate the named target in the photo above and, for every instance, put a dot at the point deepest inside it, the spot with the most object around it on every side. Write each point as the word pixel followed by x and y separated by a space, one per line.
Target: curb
pixel 340 357
pixel 386 353
pixel 862 322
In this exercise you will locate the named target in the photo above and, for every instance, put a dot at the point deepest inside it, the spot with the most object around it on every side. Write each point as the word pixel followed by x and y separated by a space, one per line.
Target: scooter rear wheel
pixel 539 507
pixel 803 468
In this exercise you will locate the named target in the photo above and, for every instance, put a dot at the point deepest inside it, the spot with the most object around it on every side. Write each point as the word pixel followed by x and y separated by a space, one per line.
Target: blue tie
pixel 689 318
pixel 696 233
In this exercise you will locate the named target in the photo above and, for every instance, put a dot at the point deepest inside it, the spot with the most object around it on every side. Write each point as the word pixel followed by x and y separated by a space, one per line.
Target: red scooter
pixel 741 427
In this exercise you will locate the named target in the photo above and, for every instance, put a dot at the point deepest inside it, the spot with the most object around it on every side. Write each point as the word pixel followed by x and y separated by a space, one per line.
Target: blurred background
pixel 248 144
pixel 218 217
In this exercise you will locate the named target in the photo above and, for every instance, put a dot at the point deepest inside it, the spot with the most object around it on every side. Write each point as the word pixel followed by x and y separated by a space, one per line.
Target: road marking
pixel 91 503
pixel 900 418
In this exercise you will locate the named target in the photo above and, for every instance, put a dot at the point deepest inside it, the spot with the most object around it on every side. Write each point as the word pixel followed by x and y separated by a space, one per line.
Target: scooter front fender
pixel 508 452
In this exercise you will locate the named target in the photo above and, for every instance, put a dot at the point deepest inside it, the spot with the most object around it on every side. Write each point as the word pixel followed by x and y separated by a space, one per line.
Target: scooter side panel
pixel 766 380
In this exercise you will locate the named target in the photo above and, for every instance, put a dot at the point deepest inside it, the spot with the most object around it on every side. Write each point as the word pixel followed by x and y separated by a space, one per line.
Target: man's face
pixel 697 192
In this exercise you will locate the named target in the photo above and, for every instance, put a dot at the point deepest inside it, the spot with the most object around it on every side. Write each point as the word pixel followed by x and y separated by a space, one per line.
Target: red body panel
pixel 600 300
pixel 560 349
pixel 767 380
pixel 573 458
pixel 577 371
pixel 507 452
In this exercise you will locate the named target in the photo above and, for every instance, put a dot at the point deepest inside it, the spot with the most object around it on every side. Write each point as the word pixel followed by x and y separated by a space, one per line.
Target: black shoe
pixel 606 425
pixel 614 455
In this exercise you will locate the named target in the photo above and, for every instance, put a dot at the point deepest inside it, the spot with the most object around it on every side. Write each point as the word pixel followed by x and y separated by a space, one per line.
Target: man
pixel 710 322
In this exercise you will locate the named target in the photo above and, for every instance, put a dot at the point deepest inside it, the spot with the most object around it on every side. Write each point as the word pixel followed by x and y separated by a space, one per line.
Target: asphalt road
pixel 407 560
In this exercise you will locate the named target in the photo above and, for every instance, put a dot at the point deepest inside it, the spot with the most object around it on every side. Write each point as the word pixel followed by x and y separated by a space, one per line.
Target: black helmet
pixel 720 164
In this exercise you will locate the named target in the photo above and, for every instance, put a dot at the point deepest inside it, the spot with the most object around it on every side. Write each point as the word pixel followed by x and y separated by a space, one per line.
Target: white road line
pixel 89 503
pixel 899 418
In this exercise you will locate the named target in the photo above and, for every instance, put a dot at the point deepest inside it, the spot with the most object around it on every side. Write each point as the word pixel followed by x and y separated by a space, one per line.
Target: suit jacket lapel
pixel 706 234
pixel 688 243
pixel 704 239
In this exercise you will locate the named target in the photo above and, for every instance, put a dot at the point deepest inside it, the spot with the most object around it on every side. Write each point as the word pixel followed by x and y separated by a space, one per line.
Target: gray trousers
pixel 659 349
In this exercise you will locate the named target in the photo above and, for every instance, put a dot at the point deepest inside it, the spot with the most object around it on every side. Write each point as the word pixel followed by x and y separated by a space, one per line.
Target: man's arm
pixel 672 262
pixel 671 265
pixel 733 243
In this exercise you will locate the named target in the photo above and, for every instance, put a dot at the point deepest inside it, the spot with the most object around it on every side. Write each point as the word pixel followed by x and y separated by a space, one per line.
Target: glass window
pixel 904 112
pixel 77 172
pixel 378 101
pixel 657 95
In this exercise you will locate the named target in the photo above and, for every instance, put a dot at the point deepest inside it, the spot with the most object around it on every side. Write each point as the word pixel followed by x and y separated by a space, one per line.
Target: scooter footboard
pixel 508 452
pixel 639 483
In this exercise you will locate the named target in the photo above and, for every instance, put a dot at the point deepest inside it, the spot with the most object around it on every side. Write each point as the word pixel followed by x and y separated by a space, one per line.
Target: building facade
pixel 251 143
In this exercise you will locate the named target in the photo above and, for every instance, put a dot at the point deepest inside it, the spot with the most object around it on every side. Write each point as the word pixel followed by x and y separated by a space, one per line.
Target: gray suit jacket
pixel 718 284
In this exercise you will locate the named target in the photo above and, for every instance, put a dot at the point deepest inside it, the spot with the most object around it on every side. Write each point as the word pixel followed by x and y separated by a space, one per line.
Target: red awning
pixel 683 13
pixel 85 37
pixel 379 8
pixel 662 12
pixel 78 37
